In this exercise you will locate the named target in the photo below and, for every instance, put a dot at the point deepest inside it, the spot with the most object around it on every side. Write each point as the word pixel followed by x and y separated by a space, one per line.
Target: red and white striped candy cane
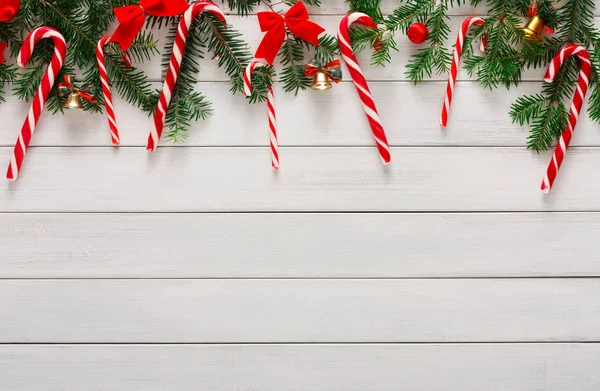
pixel 60 50
pixel 175 64
pixel 271 106
pixel 582 87
pixel 460 40
pixel 360 82
pixel 110 111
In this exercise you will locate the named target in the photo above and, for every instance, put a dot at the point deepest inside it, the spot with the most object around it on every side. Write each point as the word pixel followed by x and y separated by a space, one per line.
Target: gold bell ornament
pixel 323 74
pixel 75 94
pixel 73 101
pixel 321 82
pixel 534 27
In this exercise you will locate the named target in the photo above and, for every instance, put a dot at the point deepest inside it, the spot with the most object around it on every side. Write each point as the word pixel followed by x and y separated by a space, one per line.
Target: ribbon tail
pixel 270 45
pixel 307 30
pixel 131 19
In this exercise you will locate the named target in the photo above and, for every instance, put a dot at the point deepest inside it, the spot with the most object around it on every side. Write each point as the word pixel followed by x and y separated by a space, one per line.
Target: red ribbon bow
pixel 296 20
pixel 8 9
pixel 132 17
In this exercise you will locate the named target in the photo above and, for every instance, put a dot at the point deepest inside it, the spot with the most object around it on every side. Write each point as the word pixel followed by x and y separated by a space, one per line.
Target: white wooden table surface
pixel 199 268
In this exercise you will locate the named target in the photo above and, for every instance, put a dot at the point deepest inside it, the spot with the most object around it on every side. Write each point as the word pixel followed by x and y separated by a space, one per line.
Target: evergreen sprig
pixel 547 112
pixel 509 52
pixel 82 23
pixel 206 35
pixel 431 12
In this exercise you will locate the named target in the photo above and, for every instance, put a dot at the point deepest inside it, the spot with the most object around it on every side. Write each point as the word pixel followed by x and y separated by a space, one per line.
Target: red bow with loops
pixel 132 17
pixel 296 20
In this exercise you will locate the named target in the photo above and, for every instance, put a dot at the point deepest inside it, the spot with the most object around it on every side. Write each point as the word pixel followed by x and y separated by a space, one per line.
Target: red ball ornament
pixel 418 33
pixel 8 9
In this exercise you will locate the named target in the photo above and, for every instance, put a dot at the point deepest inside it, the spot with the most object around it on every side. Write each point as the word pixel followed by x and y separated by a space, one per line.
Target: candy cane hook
pixel 108 103
pixel 175 65
pixel 360 82
pixel 271 107
pixel 60 50
pixel 460 40
pixel 577 103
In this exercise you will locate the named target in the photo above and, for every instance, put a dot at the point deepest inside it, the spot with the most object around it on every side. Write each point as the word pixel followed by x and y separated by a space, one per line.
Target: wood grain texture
pixel 311 179
pixel 267 311
pixel 298 245
pixel 528 367
pixel 397 299
pixel 335 118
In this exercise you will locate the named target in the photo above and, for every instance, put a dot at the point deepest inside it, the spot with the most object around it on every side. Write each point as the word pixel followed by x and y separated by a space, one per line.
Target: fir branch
pixel 231 51
pixel 434 58
pixel 327 50
pixel 82 23
pixel 547 112
pixel 292 59
pixel 369 7
pixel 262 79
pixel 183 109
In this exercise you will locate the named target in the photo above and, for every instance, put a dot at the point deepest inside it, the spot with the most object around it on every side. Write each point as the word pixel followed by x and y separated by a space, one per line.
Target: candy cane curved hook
pixel 175 65
pixel 108 103
pixel 577 103
pixel 361 83
pixel 460 40
pixel 271 107
pixel 39 100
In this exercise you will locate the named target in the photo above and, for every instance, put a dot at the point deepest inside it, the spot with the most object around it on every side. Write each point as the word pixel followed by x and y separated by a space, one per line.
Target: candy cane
pixel 60 50
pixel 175 64
pixel 271 106
pixel 582 87
pixel 460 40
pixel 110 111
pixel 360 82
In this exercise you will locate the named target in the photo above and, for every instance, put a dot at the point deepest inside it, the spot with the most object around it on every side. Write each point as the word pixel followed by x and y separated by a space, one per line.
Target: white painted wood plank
pixel 311 179
pixel 298 245
pixel 527 367
pixel 410 114
pixel 266 311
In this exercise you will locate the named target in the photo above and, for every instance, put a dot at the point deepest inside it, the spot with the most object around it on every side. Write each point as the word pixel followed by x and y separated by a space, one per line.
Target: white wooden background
pixel 199 268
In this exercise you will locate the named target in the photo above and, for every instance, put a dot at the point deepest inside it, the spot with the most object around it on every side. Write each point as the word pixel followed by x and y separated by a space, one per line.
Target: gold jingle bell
pixel 321 82
pixel 73 101
pixel 533 29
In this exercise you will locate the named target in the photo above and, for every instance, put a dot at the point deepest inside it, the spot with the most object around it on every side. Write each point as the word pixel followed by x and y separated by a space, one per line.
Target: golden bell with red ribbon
pixel 321 82
pixel 74 94
pixel 323 74
pixel 534 28
pixel 73 101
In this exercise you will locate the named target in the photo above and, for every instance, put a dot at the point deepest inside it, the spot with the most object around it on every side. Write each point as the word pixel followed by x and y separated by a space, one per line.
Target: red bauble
pixel 8 9
pixel 418 33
